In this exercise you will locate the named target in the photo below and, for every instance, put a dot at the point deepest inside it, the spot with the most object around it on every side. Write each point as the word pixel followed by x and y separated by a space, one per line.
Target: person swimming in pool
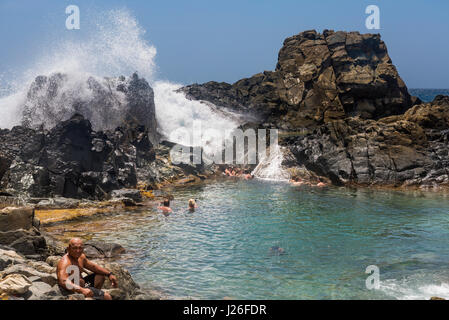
pixel 297 181
pixel 165 207
pixel 276 250
pixel 192 205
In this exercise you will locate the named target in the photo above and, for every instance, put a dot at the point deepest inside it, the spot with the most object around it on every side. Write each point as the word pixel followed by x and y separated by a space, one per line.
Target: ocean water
pixel 329 236
pixel 427 95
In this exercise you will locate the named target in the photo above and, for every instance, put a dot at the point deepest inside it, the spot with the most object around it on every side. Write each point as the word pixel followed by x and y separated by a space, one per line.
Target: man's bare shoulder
pixel 83 260
pixel 64 261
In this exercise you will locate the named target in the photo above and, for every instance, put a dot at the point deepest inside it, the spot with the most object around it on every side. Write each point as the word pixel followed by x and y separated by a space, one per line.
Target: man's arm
pixel 89 265
pixel 63 278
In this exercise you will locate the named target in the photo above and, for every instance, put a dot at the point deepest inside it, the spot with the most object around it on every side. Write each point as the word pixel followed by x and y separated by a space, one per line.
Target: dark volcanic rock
pixel 318 78
pixel 404 150
pixel 72 160
pixel 107 103
pixel 60 152
pixel 96 249
pixel 127 193
pixel 26 242
pixel 346 112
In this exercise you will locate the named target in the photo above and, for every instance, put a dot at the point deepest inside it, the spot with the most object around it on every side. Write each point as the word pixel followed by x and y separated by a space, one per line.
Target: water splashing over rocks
pixel 271 167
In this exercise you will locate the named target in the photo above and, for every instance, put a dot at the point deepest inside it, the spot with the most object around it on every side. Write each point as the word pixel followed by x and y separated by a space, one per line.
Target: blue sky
pixel 203 40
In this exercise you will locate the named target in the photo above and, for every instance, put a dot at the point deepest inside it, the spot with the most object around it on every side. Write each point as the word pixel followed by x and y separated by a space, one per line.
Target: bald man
pixel 69 270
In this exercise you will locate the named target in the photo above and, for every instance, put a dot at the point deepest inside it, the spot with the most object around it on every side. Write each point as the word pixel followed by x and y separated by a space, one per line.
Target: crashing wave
pixel 271 166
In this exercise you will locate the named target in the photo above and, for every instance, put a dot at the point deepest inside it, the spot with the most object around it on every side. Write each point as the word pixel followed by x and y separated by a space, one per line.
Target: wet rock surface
pixel 56 168
pixel 70 160
pixel 127 193
pixel 73 161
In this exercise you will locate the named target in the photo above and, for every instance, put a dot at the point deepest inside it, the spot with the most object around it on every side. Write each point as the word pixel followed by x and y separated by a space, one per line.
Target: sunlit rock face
pixel 410 149
pixel 318 78
pixel 345 110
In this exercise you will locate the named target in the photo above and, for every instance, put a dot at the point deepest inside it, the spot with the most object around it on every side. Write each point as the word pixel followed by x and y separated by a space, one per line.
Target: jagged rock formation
pixel 72 160
pixel 318 78
pixel 18 231
pixel 107 103
pixel 345 112
pixel 403 150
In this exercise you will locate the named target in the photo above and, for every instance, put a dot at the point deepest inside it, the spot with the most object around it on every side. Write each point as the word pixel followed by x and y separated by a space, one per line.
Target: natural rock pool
pixel 329 236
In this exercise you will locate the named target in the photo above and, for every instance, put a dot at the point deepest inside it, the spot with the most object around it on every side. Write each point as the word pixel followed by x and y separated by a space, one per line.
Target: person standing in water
pixel 192 205
pixel 165 207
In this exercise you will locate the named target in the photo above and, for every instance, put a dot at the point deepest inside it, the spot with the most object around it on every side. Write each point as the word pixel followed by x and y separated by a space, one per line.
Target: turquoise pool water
pixel 329 236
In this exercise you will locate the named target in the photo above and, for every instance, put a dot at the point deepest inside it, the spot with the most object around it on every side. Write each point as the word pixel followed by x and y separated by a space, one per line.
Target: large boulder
pixel 404 150
pixel 127 193
pixel 16 218
pixel 343 111
pixel 97 249
pixel 26 242
pixel 318 78
pixel 14 284
pixel 106 102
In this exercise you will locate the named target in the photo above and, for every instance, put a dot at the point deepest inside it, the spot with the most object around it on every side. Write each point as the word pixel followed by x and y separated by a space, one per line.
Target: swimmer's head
pixel 166 203
pixel 192 203
pixel 277 250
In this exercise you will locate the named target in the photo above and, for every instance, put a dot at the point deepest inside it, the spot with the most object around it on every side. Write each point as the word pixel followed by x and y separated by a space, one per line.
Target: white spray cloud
pixel 174 111
pixel 116 46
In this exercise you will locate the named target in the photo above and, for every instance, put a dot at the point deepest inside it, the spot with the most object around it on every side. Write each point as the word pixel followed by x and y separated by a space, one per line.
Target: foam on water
pixel 411 289
pixel 270 167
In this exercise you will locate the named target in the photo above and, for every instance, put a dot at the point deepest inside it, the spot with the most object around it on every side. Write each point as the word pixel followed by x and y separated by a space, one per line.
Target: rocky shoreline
pixel 28 255
pixel 344 114
pixel 28 259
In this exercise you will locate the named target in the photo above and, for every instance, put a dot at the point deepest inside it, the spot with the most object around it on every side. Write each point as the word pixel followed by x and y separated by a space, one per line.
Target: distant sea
pixel 427 95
